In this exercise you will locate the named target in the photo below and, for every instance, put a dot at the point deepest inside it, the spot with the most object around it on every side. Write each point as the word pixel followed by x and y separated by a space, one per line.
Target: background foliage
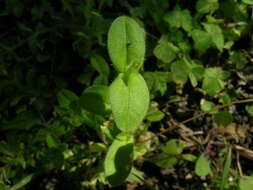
pixel 55 119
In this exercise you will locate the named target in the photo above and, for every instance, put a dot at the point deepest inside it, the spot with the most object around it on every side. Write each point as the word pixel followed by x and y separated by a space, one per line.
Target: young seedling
pixel 128 93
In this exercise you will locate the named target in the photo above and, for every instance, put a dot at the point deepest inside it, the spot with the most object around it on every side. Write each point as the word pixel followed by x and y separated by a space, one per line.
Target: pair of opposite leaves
pixel 129 95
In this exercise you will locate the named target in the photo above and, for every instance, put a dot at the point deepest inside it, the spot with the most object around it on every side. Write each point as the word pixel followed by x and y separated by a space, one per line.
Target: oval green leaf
pixel 246 183
pixel 126 44
pixel 129 101
pixel 119 159
pixel 65 97
pixel 173 147
pixel 223 118
pixel 99 63
pixel 165 160
pixel 202 167
pixel 95 99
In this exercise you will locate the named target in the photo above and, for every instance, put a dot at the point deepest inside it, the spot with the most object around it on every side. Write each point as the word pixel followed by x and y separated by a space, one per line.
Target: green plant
pixel 128 94
pixel 71 120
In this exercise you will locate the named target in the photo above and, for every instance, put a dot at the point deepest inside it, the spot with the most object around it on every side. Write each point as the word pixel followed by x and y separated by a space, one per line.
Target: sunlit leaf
pixel 155 116
pixel 202 167
pixel 189 157
pixel 126 44
pixel 246 183
pixel 206 106
pixel 129 100
pixel 173 147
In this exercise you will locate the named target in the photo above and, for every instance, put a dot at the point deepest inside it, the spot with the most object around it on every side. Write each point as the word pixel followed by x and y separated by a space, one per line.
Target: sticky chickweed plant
pixel 128 93
pixel 80 110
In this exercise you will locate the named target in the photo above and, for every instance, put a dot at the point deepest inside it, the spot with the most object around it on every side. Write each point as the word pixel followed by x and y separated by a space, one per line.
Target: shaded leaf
pixel 119 158
pixel 249 109
pixel 238 59
pixel 156 9
pixel 24 121
pixel 197 70
pixel 213 82
pixel 248 2
pixel 135 176
pixel 179 18
pixel 51 142
pixel 157 81
pixel 225 99
pixel 216 35
pixel 164 160
pixel 22 183
pixel 65 97
pixel 165 51
pixel 206 6
pixel 180 70
pixel 223 118
pixel 99 63
pixel 99 25
pixel 96 99
pixel 202 40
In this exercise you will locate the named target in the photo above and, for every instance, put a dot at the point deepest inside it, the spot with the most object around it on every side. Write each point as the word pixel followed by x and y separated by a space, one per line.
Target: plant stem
pixel 238 163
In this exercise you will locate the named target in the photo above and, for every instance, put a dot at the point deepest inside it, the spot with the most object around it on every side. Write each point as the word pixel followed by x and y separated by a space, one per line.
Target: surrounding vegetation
pixel 160 99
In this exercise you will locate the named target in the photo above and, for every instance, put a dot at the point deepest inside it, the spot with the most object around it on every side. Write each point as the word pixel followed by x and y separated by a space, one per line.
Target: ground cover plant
pixel 149 94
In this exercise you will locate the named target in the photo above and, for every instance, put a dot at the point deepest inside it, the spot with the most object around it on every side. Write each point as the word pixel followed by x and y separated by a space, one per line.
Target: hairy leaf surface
pixel 126 44
pixel 129 101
